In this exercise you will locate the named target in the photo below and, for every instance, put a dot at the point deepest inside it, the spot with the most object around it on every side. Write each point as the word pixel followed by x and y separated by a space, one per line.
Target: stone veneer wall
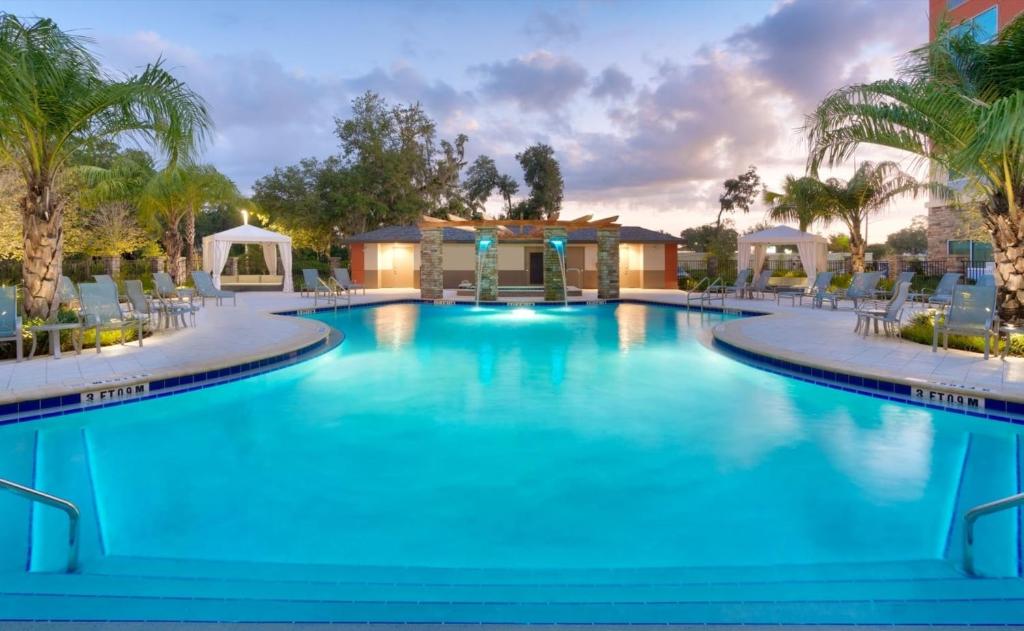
pixel 608 263
pixel 432 264
pixel 944 224
pixel 488 263
pixel 554 288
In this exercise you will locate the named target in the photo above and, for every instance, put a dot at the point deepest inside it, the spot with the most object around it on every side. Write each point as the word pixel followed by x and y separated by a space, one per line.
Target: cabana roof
pixel 780 235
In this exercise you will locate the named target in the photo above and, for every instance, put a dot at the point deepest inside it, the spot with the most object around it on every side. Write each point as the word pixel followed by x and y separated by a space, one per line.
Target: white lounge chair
pixel 10 321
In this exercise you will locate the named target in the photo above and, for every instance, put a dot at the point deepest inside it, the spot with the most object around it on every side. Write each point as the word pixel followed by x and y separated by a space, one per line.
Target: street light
pixel 245 216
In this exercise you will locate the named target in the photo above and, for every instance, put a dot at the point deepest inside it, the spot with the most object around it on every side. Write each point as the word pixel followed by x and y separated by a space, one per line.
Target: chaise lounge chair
pixel 10 321
pixel 313 285
pixel 972 311
pixel 344 281
pixel 760 287
pixel 739 287
pixel 159 311
pixel 864 286
pixel 206 289
pixel 890 316
pixel 814 293
pixel 101 311
pixel 943 294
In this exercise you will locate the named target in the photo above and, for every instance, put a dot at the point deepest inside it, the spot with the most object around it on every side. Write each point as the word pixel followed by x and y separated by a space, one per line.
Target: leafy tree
pixel 308 201
pixel 802 200
pixel 878 250
pixel 112 229
pixel 911 240
pixel 739 193
pixel 481 179
pixel 958 103
pixel 55 102
pixel 544 177
pixel 838 242
pixel 11 244
pixel 710 237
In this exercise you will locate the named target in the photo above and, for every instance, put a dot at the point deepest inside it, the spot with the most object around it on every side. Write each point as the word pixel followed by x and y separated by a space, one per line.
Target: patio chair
pixel 890 316
pixel 760 286
pixel 101 311
pixel 815 292
pixel 341 277
pixel 986 280
pixel 972 311
pixel 943 294
pixel 313 285
pixel 164 287
pixel 10 321
pixel 206 289
pixel 739 287
pixel 864 286
pixel 156 309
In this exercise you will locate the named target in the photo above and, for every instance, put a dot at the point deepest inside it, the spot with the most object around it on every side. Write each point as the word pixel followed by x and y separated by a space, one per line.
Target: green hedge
pixel 920 330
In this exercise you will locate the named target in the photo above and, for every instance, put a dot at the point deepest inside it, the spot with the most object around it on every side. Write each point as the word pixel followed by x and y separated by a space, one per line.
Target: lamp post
pixel 245 216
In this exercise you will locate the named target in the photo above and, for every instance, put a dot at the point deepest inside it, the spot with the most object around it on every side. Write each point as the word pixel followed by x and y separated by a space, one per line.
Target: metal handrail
pixel 972 516
pixel 690 293
pixel 56 502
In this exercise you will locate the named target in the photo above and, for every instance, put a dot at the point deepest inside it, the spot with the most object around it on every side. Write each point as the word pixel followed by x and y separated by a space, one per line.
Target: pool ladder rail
pixel 977 512
pixel 56 502
pixel 715 290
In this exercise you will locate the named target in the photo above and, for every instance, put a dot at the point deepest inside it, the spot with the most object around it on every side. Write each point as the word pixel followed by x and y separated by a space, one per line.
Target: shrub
pixel 920 329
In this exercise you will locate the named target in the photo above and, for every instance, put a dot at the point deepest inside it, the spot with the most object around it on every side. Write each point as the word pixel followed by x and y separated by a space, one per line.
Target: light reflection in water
pixel 395 326
pixel 632 321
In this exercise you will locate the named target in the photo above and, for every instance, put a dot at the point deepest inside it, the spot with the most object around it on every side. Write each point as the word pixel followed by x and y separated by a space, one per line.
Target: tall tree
pixel 910 240
pixel 739 193
pixel 54 101
pixel 173 197
pixel 873 187
pixel 802 200
pixel 507 187
pixel 481 179
pixel 958 103
pixel 544 177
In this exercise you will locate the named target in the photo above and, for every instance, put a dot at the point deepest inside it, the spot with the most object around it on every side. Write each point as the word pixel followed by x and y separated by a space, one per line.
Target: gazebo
pixel 217 246
pixel 813 249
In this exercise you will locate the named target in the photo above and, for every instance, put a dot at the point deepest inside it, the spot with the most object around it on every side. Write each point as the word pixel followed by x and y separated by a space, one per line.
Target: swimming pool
pixel 563 451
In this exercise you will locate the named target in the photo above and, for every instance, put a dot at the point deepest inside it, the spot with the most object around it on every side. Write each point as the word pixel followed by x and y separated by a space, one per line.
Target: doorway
pixel 536 268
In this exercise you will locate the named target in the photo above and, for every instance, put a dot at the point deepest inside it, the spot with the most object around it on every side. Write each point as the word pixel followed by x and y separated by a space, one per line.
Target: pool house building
pixel 391 256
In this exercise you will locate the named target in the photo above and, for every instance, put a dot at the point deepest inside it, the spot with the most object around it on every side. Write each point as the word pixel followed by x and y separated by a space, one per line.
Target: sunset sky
pixel 649 105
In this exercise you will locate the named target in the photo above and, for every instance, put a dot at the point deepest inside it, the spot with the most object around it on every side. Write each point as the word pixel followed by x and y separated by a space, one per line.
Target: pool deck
pixel 228 335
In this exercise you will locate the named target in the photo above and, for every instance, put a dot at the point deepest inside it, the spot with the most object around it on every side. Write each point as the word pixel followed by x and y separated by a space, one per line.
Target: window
pixel 978 251
pixel 985 25
pixel 952 4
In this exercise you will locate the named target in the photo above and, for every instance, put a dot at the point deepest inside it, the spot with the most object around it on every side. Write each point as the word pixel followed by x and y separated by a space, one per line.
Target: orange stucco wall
pixel 356 262
pixel 671 266
pixel 1008 9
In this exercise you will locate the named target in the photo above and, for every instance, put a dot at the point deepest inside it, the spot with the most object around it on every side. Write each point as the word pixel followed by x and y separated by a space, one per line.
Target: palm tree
pixel 54 100
pixel 173 197
pixel 802 200
pixel 507 187
pixel 957 103
pixel 872 187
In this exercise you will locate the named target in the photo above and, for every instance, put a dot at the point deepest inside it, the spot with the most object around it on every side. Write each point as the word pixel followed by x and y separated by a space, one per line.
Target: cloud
pixel 539 81
pixel 545 27
pixel 808 48
pixel 403 83
pixel 612 84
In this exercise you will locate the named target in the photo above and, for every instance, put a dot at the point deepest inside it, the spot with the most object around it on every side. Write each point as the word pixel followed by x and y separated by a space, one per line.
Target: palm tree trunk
pixel 1008 250
pixel 857 249
pixel 190 239
pixel 42 221
pixel 172 245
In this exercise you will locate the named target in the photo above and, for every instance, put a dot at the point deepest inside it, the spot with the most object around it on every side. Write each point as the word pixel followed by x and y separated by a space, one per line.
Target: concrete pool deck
pixel 229 335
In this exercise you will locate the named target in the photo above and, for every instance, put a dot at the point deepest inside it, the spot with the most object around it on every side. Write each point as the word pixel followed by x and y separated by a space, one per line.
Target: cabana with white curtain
pixel 753 249
pixel 275 247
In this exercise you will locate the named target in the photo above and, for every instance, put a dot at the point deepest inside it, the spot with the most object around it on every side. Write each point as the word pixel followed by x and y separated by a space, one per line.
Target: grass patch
pixel 920 330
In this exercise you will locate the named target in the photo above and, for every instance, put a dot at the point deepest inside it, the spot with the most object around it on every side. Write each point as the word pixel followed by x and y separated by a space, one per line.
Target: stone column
pixel 432 264
pixel 113 266
pixel 232 267
pixel 157 264
pixel 554 288
pixel 607 263
pixel 487 239
pixel 895 267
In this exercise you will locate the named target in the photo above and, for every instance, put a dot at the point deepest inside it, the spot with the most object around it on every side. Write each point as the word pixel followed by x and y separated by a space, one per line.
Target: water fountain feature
pixel 481 249
pixel 559 244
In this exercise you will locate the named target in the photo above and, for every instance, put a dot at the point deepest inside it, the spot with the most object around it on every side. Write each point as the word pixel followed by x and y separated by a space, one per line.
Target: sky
pixel 649 105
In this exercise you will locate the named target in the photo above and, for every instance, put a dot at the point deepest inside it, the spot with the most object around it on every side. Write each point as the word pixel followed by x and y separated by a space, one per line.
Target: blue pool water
pixel 594 437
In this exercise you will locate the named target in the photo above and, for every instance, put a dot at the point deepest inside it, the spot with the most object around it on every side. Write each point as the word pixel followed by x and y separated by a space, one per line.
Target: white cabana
pixel 753 248
pixel 217 246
